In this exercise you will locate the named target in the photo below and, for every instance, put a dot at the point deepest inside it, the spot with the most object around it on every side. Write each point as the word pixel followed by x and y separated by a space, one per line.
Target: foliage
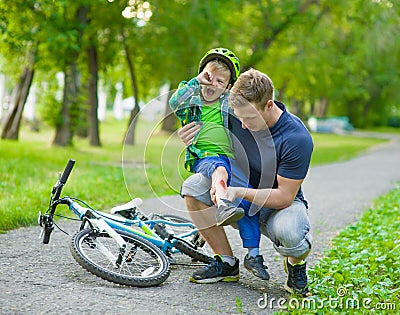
pixel 394 121
pixel 49 101
pixel 326 57
pixel 239 305
pixel 361 272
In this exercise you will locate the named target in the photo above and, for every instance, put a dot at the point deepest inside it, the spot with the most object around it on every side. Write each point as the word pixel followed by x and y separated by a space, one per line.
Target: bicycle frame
pixel 125 223
pixel 115 222
pixel 124 246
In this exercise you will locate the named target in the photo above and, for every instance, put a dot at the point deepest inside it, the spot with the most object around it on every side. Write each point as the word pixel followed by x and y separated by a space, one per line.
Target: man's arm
pixel 276 198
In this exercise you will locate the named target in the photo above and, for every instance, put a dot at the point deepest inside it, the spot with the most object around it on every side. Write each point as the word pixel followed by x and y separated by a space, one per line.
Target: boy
pixel 204 100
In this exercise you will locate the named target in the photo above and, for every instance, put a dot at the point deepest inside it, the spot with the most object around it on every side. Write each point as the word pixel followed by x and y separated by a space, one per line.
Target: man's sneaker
pixel 297 278
pixel 228 213
pixel 217 271
pixel 256 266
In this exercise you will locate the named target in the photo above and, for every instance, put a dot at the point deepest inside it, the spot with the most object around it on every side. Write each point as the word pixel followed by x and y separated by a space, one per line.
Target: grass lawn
pixel 360 274
pixel 113 173
pixel 386 130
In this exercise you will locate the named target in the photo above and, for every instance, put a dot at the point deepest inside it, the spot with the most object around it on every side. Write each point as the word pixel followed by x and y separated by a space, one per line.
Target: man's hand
pixel 188 132
pixel 231 194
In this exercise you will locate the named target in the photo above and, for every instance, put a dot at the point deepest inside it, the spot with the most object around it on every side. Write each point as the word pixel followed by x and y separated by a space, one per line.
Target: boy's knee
pixel 198 187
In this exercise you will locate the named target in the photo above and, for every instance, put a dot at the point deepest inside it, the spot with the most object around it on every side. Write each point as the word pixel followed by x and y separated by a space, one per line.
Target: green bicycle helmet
pixel 224 55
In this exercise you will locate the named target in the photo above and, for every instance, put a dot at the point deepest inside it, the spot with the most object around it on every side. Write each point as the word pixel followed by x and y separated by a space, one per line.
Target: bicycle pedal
pixel 198 240
pixel 172 260
pixel 128 214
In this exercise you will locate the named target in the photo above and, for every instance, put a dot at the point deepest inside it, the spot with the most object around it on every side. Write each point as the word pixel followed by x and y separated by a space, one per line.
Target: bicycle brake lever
pixel 39 219
pixel 40 222
pixel 41 233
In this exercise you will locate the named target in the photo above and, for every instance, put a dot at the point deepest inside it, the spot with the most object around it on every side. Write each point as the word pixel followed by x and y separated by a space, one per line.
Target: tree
pixel 68 29
pixel 12 121
pixel 125 35
pixel 19 42
pixel 325 57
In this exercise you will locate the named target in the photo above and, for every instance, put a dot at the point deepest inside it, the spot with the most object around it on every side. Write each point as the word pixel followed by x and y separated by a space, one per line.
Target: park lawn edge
pixel 361 271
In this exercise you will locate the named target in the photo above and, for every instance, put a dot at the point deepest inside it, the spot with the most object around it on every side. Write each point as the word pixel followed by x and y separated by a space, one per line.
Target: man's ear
pixel 270 104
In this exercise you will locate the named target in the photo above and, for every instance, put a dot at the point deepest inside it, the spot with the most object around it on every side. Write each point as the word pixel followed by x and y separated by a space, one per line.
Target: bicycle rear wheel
pixel 145 265
pixel 193 246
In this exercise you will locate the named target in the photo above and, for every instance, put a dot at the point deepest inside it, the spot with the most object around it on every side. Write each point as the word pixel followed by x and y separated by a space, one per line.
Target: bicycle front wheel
pixel 145 264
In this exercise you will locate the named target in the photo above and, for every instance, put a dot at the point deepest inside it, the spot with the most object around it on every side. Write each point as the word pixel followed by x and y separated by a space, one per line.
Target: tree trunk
pixel 80 117
pixel 320 108
pixel 94 138
pixel 130 133
pixel 12 121
pixel 64 130
pixel 169 122
pixel 63 135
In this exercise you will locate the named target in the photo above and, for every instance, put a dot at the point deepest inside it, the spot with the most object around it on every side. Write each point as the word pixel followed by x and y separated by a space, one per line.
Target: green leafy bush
pixel 394 121
pixel 360 274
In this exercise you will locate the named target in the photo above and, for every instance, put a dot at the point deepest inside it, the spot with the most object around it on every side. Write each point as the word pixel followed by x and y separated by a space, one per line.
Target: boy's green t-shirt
pixel 213 136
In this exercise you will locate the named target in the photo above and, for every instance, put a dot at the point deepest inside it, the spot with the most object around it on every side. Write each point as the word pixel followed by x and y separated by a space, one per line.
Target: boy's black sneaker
pixel 228 213
pixel 256 266
pixel 296 282
pixel 216 271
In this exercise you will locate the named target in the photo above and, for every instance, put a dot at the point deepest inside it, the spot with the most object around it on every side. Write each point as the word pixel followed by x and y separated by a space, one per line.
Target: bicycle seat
pixel 127 207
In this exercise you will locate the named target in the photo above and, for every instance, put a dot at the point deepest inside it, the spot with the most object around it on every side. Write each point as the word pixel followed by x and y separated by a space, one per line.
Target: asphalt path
pixel 45 279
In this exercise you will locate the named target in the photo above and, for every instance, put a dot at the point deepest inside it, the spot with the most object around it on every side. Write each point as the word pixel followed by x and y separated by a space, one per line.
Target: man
pixel 282 215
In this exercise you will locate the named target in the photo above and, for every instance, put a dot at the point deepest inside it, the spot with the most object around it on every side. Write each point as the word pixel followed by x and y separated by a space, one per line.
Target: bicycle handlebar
pixel 46 220
pixel 62 180
pixel 67 171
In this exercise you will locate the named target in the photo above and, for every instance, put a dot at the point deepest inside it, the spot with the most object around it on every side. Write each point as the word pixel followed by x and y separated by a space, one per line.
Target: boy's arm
pixel 181 97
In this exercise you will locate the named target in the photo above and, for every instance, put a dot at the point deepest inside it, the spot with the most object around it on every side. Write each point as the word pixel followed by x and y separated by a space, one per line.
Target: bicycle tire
pixel 149 266
pixel 192 252
pixel 186 246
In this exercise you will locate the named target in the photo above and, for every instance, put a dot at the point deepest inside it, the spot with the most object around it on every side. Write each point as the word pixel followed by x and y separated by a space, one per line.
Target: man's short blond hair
pixel 254 87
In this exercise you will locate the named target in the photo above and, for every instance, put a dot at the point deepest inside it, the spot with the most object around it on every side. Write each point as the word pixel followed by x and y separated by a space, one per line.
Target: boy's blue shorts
pixel 207 166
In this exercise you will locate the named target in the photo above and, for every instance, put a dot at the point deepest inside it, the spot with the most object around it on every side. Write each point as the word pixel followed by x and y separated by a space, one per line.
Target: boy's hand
pixel 188 132
pixel 205 78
